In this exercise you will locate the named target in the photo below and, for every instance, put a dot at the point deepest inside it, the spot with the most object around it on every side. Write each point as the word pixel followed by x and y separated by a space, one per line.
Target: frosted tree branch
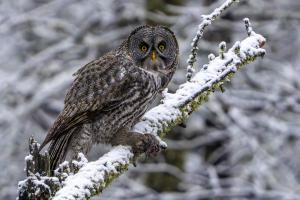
pixel 175 108
pixel 93 177
pixel 207 20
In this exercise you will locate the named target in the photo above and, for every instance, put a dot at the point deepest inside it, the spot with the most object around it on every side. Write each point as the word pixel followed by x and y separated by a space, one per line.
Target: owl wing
pixel 99 87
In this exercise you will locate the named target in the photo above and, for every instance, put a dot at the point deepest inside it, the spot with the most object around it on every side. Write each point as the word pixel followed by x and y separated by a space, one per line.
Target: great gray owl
pixel 109 95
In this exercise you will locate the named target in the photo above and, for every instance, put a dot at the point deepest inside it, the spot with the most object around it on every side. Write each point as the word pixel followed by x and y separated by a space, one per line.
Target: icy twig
pixel 38 184
pixel 207 20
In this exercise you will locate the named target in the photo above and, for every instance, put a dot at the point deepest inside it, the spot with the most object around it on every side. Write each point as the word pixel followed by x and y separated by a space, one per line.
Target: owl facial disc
pixel 154 48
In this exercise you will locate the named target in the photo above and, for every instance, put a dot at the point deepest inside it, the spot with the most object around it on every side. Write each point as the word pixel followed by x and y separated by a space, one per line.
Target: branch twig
pixel 207 20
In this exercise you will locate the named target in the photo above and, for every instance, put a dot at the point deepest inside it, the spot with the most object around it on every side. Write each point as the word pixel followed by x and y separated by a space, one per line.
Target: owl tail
pixel 59 147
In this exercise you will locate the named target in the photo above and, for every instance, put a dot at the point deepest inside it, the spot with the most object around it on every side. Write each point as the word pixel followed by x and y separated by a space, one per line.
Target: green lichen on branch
pixel 109 177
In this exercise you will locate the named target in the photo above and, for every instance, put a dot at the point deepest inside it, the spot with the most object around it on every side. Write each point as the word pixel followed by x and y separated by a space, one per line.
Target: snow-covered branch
pixel 175 108
pixel 207 20
pixel 93 177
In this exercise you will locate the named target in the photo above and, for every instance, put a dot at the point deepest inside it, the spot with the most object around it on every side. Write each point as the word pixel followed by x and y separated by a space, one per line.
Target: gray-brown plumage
pixel 109 95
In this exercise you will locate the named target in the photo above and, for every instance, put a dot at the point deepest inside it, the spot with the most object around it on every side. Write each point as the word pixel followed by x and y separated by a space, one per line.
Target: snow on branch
pixel 207 20
pixel 93 177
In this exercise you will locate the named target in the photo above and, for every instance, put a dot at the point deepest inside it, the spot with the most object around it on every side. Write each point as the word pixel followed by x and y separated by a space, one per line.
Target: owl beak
pixel 153 56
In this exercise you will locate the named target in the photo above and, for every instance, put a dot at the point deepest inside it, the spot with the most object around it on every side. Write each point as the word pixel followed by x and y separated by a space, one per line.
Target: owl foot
pixel 140 143
pixel 148 144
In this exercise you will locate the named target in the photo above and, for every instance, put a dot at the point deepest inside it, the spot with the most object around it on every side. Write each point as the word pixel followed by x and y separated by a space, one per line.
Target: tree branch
pixel 207 20
pixel 93 177
pixel 175 108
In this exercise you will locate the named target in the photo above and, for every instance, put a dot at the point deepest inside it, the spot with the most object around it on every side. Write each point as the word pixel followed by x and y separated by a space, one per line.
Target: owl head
pixel 154 48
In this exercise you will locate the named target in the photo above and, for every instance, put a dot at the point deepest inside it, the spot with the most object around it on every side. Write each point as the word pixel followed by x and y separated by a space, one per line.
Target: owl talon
pixel 153 146
pixel 147 144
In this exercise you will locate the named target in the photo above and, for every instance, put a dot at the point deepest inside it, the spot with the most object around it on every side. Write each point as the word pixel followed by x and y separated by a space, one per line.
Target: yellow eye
pixel 161 47
pixel 144 48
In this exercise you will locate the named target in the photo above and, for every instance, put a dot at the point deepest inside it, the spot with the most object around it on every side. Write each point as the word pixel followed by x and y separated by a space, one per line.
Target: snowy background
pixel 242 144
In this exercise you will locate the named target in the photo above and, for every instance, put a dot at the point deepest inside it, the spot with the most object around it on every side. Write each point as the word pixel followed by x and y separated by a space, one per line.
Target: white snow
pixel 28 158
pixel 81 162
pixel 93 174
